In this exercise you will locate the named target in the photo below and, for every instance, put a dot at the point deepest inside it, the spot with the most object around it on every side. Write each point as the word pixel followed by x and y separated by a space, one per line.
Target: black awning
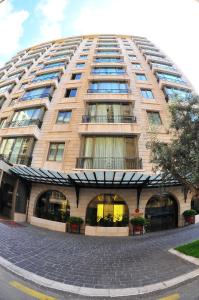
pixel 89 179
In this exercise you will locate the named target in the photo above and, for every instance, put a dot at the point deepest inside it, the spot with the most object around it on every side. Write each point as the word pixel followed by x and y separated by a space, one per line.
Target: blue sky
pixel 171 24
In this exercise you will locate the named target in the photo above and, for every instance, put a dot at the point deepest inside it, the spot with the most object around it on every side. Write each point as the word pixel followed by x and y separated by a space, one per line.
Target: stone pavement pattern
pixel 97 262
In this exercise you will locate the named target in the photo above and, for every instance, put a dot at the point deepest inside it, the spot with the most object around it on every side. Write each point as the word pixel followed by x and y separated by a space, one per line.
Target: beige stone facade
pixel 133 57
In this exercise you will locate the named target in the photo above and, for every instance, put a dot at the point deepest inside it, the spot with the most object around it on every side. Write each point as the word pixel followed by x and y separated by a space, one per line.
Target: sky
pixel 173 25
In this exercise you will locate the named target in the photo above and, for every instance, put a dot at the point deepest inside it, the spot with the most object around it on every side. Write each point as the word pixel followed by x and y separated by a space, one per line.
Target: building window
pixel 85 50
pixel 37 93
pixel 3 122
pixel 170 77
pixel 26 117
pixel 154 118
pixel 76 76
pixel 6 88
pixel 64 117
pixel 108 71
pixel 108 59
pixel 83 57
pixel 47 76
pixel 147 94
pixel 2 100
pixel 56 151
pixel 71 93
pixel 173 93
pixel 141 77
pixel 80 65
pixel 113 87
pixel 136 66
pixel 17 150
pixel 54 65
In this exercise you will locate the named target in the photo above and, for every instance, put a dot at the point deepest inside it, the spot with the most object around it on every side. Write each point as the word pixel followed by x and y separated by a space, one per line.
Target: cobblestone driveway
pixel 97 262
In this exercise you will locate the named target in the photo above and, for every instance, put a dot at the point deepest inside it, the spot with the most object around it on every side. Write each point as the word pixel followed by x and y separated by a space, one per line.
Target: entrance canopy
pixel 96 179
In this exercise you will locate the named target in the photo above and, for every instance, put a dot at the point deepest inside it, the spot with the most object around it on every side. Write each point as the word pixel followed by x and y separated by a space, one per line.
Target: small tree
pixel 180 157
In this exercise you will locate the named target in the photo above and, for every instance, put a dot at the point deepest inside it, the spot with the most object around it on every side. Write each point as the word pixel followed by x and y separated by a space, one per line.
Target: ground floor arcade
pixel 102 199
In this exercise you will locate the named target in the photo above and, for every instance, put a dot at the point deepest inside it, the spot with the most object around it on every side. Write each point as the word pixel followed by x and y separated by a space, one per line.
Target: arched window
pixel 107 210
pixel 162 212
pixel 53 205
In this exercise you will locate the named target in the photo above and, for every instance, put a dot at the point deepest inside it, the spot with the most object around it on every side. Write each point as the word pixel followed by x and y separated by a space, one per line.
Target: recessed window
pixel 56 151
pixel 76 76
pixel 154 118
pixel 80 65
pixel 136 66
pixel 83 57
pixel 64 117
pixel 71 93
pixel 141 77
pixel 85 50
pixel 147 94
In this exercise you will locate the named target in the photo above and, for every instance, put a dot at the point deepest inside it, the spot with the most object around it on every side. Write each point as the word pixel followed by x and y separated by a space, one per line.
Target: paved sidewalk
pixel 97 262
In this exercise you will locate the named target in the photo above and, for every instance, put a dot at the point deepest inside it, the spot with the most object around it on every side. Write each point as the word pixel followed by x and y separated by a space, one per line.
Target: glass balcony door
pixel 109 152
pixel 17 150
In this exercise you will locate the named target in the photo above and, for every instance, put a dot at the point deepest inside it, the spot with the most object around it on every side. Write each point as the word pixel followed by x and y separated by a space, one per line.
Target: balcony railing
pixel 16 159
pixel 109 91
pixel 108 119
pixel 109 163
pixel 176 80
pixel 45 78
pixel 108 72
pixel 166 67
pixel 108 61
pixel 23 123
pixel 53 66
pixel 35 96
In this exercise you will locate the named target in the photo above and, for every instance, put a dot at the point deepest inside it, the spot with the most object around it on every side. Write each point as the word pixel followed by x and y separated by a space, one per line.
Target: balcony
pixel 165 81
pixel 110 73
pixel 106 119
pixel 36 96
pixel 109 91
pixel 114 163
pixel 24 123
pixel 17 159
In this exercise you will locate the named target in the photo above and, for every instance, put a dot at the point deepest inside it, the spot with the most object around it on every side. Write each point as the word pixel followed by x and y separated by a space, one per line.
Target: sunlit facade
pixel 82 105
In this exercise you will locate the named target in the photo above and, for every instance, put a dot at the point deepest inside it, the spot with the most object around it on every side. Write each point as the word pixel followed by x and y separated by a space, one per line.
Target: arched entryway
pixel 162 212
pixel 52 205
pixel 107 210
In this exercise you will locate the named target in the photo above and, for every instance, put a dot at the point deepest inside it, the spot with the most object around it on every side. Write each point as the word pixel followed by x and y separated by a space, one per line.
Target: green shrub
pixel 75 220
pixel 189 213
pixel 138 221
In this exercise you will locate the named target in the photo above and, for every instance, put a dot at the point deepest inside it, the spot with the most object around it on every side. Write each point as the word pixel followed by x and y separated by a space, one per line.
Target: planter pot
pixel 138 229
pixel 74 228
pixel 190 220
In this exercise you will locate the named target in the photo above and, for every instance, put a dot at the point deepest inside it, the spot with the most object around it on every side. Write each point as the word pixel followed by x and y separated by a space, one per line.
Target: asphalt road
pixel 14 288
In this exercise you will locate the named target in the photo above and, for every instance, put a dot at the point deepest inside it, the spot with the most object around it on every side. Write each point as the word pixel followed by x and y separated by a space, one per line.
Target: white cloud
pixel 11 28
pixel 171 24
pixel 51 14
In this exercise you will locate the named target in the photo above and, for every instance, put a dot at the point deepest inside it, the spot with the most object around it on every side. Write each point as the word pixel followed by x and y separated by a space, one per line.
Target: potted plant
pixel 189 216
pixel 75 224
pixel 138 224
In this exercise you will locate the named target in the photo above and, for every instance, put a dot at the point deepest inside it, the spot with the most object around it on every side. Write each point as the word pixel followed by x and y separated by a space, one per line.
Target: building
pixel 76 114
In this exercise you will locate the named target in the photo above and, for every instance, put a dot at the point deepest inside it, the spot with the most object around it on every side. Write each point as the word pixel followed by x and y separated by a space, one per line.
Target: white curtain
pixel 88 153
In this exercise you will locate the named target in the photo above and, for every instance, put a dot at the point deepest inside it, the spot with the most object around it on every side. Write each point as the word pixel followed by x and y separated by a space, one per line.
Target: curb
pixel 188 258
pixel 92 292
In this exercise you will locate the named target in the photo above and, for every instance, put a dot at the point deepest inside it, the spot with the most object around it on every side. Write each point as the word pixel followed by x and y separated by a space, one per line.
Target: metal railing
pixel 166 67
pixel 176 80
pixel 35 96
pixel 108 119
pixel 23 123
pixel 16 159
pixel 94 72
pixel 54 66
pixel 108 61
pixel 45 78
pixel 109 91
pixel 109 163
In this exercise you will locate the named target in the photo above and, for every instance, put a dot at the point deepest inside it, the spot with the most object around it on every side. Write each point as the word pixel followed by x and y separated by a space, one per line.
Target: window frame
pixel 55 155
